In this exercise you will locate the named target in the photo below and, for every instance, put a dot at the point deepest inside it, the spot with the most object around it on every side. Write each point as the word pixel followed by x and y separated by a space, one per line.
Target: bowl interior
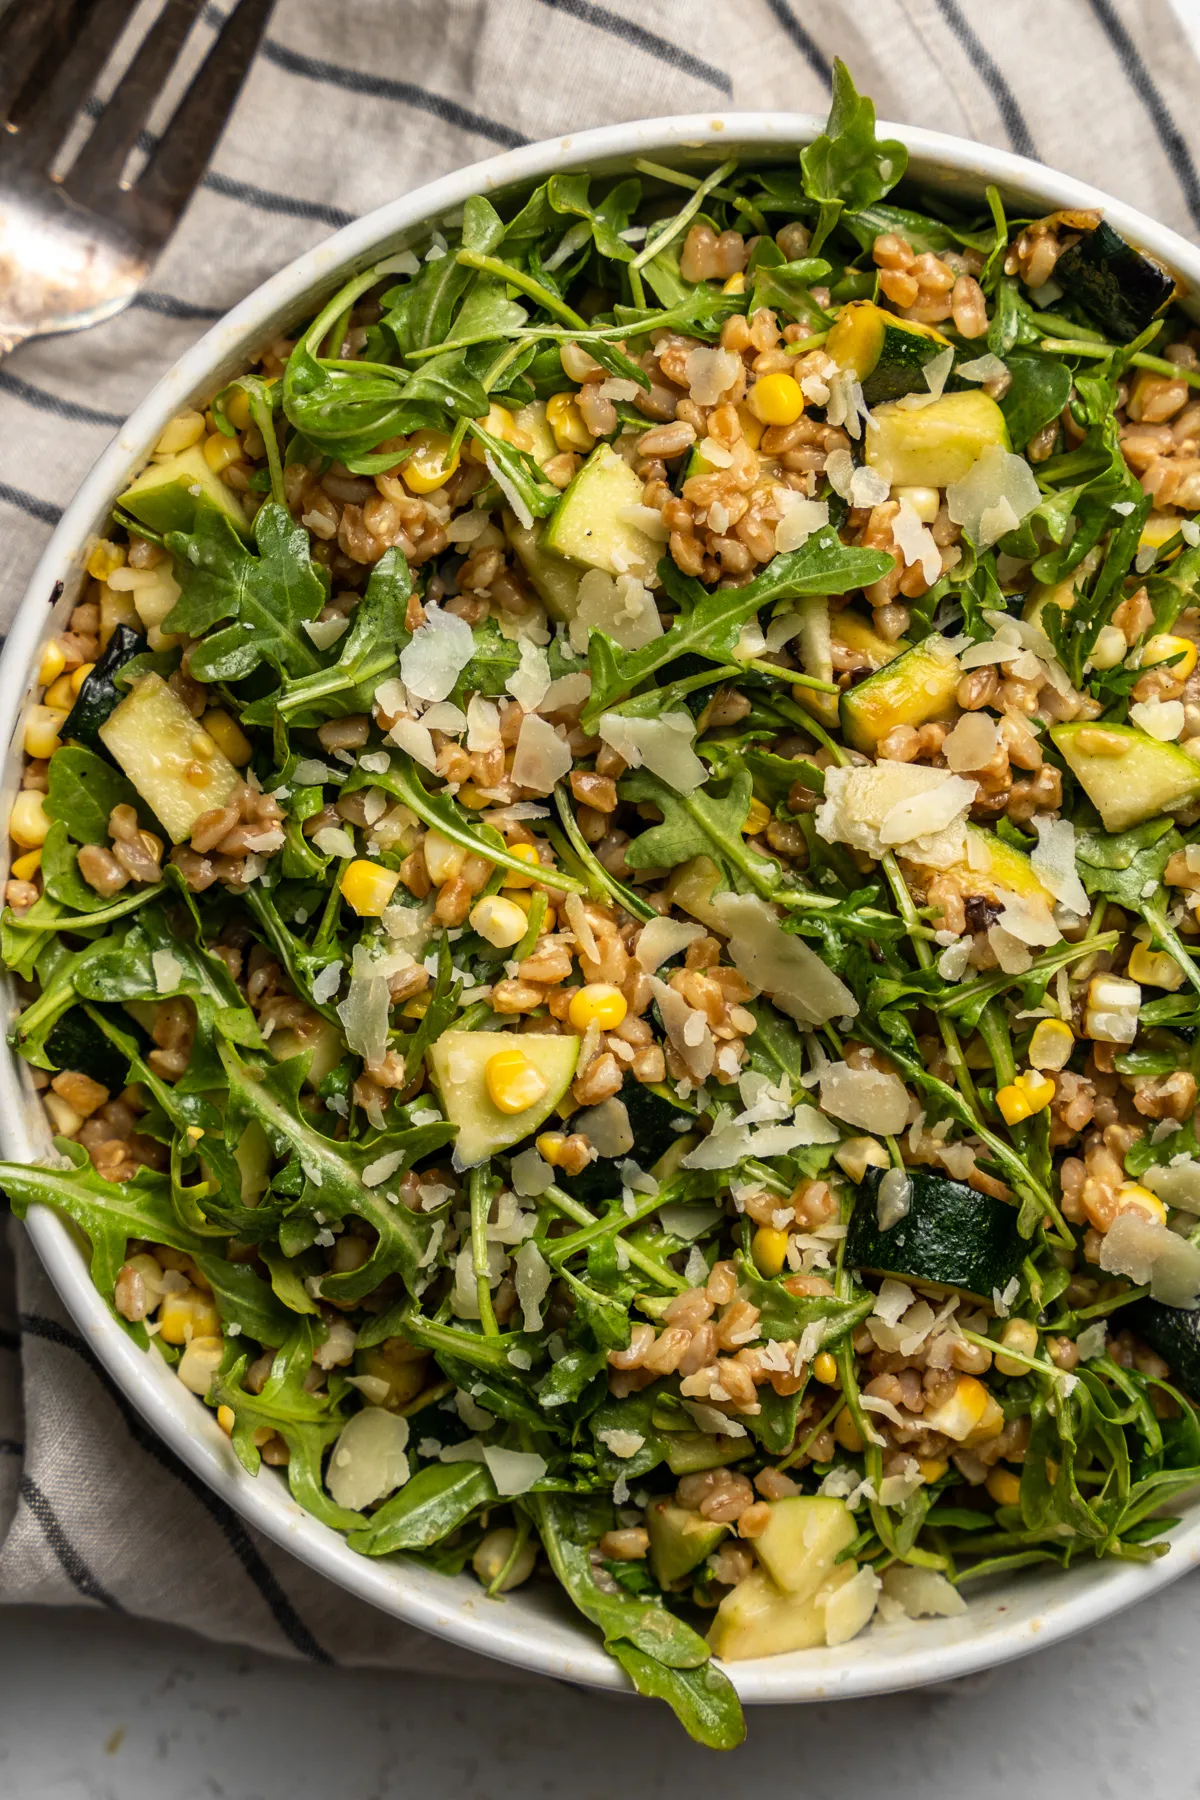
pixel 535 1627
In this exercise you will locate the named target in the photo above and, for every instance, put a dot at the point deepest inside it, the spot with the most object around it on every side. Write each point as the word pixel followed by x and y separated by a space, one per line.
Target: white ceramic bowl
pixel 534 1628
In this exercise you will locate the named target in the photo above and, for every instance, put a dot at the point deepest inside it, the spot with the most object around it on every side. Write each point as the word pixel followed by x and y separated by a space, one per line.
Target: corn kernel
pixel 226 1419
pixel 1112 1009
pixel 566 422
pixel 220 451
pixel 846 1432
pixel 1014 1105
pixel 368 887
pixel 1020 1335
pixel 597 1004
pixel 1153 968
pixel 1030 1093
pixel 428 467
pixel 776 400
pixel 443 858
pixel 1004 1487
pixel 52 664
pixel 186 1315
pixel 104 558
pixel 932 1468
pixel 550 1147
pixel 60 695
pixel 757 819
pixel 752 428
pixel 967 1409
pixel 825 1368
pixel 79 676
pixel 229 737
pixel 25 867
pixel 736 284
pixel 1132 1197
pixel 199 1363
pixel 925 501
pixel 500 921
pixel 28 822
pixel 513 1084
pixel 42 727
pixel 856 1155
pixel 1108 652
pixel 65 1120
pixel 237 409
pixel 501 424
pixel 769 1250
pixel 526 853
pixel 1051 1045
pixel 1163 645
pixel 179 433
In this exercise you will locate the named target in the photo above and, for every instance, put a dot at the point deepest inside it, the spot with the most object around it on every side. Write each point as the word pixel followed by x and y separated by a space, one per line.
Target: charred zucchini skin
pixel 1122 289
pixel 1175 1334
pixel 951 1236
pixel 99 695
pixel 888 354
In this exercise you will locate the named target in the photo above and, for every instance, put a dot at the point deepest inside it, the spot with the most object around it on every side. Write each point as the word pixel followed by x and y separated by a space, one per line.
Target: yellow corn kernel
pixel 237 409
pixel 1109 649
pixel 65 1120
pixel 104 558
pixel 513 1084
pixel 1112 1009
pixel 846 1432
pixel 28 822
pixel 42 727
pixel 550 1147
pixel 1013 1104
pixel 1132 1197
pixel 500 921
pixel 752 428
pixel 932 1468
pixel 1051 1045
pixel 1004 1487
pixel 226 1419
pixel 199 1363
pixel 25 867
pixel 186 1315
pixel 1020 1335
pixel 735 285
pixel 1153 968
pixel 968 1414
pixel 469 795
pixel 220 451
pixel 856 1155
pixel 78 676
pixel 428 467
pixel 597 1004
pixel 1030 1093
pixel 566 422
pixel 757 819
pixel 368 887
pixel 1163 645
pixel 501 424
pixel 769 1250
pixel 776 400
pixel 52 664
pixel 60 695
pixel 526 853
pixel 825 1368
pixel 925 501
pixel 229 737
pixel 179 433
pixel 444 859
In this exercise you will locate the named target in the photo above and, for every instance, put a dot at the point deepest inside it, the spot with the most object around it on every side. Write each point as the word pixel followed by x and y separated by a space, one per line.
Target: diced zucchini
pixel 532 421
pixel 679 1540
pixel 1174 1331
pixel 320 1040
pixel 691 1452
pixel 848 627
pixel 815 645
pixel 588 523
pixel 912 690
pixel 1127 774
pixel 691 888
pixel 1121 288
pixel 756 1619
pixel 886 353
pixel 171 760
pixel 554 580
pixel 166 496
pixel 950 1237
pixel 459 1061
pixel 990 865
pixel 99 696
pixel 931 446
pixel 805 1535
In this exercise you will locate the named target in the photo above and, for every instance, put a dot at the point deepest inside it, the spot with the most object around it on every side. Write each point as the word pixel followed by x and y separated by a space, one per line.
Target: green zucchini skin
pixel 75 1043
pixel 1122 289
pixel 951 1236
pixel 99 695
pixel 1174 1333
pixel 650 1117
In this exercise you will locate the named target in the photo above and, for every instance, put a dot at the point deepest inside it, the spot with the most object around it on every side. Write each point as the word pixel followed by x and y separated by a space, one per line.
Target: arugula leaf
pixel 1039 389
pixel 704 1700
pixel 1128 867
pixel 60 872
pixel 83 790
pixel 847 168
pixel 266 598
pixel 784 1315
pixel 522 475
pixel 435 1502
pixel 245 1300
pixel 368 654
pixel 702 823
pixel 1170 589
pixel 568 193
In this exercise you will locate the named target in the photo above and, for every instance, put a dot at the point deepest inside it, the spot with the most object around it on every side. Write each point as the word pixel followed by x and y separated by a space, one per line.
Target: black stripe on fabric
pixel 990 73
pixel 809 49
pixel 44 510
pixel 46 402
pixel 9 1340
pixel 382 87
pixel 291 206
pixel 234 1530
pixel 10 1447
pixel 1142 82
pixel 641 39
pixel 169 306
pixel 68 1557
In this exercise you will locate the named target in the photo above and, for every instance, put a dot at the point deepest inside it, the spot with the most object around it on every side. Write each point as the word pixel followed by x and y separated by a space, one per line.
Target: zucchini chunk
pixel 950 1237
pixel 1175 1333
pixel 553 579
pixel 886 353
pixel 848 627
pixel 918 686
pixel 589 525
pixel 459 1060
pixel 1121 288
pixel 805 1535
pixel 168 495
pixel 1127 774
pixel 172 762
pixel 679 1540
pixel 99 696
pixel 931 446
pixel 990 865
pixel 691 1452
pixel 756 1619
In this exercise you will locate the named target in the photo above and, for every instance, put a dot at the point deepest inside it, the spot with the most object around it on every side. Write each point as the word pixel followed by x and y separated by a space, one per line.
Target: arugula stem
pixel 81 921
pixel 924 956
pixel 576 1211
pixel 537 912
pixel 803 1448
pixel 793 677
pixel 602 885
pixel 809 343
pixel 686 213
pixel 481 1205
pixel 492 265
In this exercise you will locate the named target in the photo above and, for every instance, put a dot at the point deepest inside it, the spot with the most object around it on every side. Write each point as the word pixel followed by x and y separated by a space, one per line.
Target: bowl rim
pixel 990 1633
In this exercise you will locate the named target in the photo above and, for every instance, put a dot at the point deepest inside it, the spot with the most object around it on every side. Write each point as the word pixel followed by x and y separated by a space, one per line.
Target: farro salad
pixel 605 903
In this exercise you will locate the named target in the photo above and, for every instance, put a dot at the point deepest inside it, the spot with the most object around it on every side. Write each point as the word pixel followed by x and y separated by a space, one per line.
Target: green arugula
pixel 847 168
pixel 83 789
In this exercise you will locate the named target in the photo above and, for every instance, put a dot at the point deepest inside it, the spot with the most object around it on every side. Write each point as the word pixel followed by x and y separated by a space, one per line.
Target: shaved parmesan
pixel 364 1011
pixel 368 1459
pixel 623 1444
pixel 1176 1183
pixel 410 735
pixel 914 541
pixel 687 1029
pixel 798 523
pixel 532 1281
pixel 973 742
pixel 710 373
pixel 325 632
pixel 995 494
pixel 436 654
pixel 1147 1251
pixel 1162 719
pixel 662 745
pixel 531 1174
pixel 168 971
pixel 1013 956
pixel 861 799
pixel 983 368
pixel 660 939
pixel 1053 859
pixel 483 723
pixel 922 1593
pixel 513 1471
pixel 542 758
pixel 779 963
pixel 865 1097
pixel 606 1127
pixel 530 680
pixel 928 810
pixel 623 609
pixel 1027 918
pixel 567 692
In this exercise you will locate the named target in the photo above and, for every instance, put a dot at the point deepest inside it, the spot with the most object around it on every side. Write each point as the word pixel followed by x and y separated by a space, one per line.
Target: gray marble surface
pixel 99 1708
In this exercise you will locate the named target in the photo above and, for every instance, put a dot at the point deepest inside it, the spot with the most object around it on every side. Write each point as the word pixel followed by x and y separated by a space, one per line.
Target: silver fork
pixel 76 247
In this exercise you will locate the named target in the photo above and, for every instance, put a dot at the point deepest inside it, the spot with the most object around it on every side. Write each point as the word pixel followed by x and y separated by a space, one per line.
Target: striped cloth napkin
pixel 350 103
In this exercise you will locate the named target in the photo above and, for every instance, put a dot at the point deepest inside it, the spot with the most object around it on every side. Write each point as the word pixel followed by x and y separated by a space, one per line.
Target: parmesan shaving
pixel 622 608
pixel 779 963
pixel 662 745
pixel 996 493
pixel 436 654
pixel 542 757
pixel 661 939
pixel 1053 859
pixel 530 680
pixel 859 800
pixel 867 1098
